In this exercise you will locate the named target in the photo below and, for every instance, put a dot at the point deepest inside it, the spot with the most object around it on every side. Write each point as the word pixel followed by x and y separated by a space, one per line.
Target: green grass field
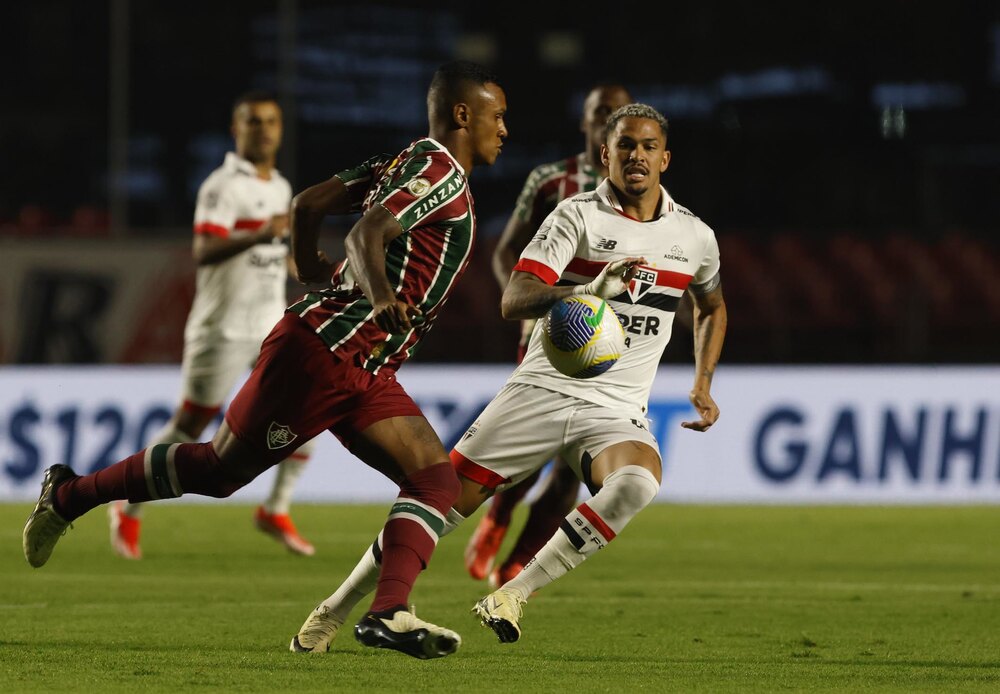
pixel 688 599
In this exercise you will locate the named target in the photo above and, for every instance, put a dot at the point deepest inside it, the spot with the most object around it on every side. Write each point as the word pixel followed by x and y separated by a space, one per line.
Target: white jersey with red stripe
pixel 242 297
pixel 571 247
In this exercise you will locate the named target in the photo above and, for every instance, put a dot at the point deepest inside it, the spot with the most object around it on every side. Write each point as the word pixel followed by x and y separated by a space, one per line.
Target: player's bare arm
pixel 514 238
pixel 210 250
pixel 516 235
pixel 308 210
pixel 710 320
pixel 527 296
pixel 365 246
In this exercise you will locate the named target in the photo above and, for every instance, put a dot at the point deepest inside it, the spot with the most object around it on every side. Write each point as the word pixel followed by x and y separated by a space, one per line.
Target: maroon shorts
pixel 299 388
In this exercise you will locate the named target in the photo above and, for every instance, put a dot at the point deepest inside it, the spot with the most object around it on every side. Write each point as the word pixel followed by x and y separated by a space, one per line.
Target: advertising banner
pixel 786 435
pixel 90 302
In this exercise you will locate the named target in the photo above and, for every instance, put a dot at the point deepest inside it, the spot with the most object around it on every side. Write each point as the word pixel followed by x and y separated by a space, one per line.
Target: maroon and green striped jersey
pixel 425 189
pixel 550 184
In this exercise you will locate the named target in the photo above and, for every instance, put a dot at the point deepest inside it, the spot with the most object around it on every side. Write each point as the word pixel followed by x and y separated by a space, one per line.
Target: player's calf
pixel 588 528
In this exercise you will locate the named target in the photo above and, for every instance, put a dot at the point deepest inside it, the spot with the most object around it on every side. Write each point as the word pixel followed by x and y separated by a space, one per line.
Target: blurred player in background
pixel 546 187
pixel 597 425
pixel 330 362
pixel 240 224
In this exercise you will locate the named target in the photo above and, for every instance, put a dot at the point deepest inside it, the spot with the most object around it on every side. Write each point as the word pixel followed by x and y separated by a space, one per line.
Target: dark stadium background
pixel 847 155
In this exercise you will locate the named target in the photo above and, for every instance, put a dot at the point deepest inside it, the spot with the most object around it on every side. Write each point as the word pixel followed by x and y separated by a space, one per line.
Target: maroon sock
pixel 163 471
pixel 504 502
pixel 409 536
pixel 123 480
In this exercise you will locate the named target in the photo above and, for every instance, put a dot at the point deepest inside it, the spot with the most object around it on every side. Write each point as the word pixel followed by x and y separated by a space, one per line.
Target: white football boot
pixel 501 612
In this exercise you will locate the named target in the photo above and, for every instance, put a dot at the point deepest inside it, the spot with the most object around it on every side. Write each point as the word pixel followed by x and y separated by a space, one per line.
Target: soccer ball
pixel 582 337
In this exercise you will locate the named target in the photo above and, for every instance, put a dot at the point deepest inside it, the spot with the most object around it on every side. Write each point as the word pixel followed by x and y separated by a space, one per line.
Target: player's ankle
pixel 387 613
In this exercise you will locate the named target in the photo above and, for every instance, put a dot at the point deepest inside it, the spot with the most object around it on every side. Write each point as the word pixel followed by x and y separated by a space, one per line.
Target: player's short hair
pixel 254 96
pixel 450 82
pixel 635 111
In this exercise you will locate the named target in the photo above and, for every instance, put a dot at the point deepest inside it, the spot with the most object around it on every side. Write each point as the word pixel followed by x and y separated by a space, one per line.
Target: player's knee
pixel 437 485
pixel 632 488
pixel 452 485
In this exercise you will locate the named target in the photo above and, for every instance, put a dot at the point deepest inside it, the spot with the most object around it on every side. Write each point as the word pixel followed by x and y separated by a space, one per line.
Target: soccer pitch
pixel 688 599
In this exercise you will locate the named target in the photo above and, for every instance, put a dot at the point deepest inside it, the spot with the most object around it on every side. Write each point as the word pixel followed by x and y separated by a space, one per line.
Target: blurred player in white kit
pixel 240 223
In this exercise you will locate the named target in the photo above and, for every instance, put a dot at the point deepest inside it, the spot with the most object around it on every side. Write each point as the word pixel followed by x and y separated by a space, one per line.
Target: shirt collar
pixel 235 162
pixel 607 195
pixel 445 150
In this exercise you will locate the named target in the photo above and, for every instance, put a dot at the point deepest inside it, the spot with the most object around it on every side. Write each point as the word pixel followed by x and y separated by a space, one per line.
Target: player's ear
pixel 605 154
pixel 666 161
pixel 461 114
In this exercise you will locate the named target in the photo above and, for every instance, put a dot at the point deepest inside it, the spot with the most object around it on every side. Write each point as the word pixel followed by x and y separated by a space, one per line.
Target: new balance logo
pixel 607 244
pixel 279 436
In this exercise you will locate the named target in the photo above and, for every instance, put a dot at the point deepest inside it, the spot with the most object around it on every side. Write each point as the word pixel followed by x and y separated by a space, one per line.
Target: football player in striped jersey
pixel 629 243
pixel 330 363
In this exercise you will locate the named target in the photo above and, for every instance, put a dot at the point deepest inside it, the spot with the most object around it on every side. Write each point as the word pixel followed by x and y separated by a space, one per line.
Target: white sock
pixel 588 528
pixel 168 434
pixel 360 583
pixel 289 471
pixel 364 578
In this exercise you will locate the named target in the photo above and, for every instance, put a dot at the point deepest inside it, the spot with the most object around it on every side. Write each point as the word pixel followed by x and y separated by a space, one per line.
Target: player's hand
pixel 397 316
pixel 317 270
pixel 613 280
pixel 275 229
pixel 706 408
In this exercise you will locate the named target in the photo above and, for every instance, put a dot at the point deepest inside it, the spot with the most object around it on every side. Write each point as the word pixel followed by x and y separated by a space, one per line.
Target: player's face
pixel 636 154
pixel 599 104
pixel 257 130
pixel 487 106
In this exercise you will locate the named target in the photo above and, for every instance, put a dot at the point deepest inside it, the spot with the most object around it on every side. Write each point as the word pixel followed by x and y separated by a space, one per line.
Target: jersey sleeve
pixel 215 212
pixel 554 245
pixel 359 180
pixel 427 189
pixel 528 201
pixel 286 193
pixel 706 277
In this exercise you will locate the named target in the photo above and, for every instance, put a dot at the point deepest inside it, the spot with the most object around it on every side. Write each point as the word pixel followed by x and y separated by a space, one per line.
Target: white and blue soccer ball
pixel 582 337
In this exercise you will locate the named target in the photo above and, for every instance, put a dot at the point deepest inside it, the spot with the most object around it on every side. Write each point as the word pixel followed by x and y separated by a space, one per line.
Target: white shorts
pixel 525 426
pixel 211 368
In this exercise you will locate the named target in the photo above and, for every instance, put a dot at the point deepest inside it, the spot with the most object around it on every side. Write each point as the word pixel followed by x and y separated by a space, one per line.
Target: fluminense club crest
pixel 419 187
pixel 279 436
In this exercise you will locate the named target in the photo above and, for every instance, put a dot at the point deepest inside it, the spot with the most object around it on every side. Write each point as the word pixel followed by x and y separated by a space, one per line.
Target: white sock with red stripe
pixel 588 528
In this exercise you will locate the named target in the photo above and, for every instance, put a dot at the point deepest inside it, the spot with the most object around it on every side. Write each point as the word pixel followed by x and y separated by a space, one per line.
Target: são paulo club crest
pixel 644 280
pixel 279 436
